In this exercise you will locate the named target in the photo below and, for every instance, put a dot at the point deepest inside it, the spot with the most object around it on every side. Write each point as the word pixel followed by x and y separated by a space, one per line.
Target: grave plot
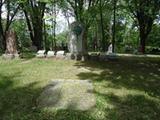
pixel 68 94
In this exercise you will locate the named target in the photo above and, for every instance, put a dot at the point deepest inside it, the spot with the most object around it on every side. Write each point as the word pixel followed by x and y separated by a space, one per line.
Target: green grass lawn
pixel 126 89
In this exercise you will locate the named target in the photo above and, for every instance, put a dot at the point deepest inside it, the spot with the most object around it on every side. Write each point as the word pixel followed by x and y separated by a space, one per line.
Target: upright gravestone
pixel 110 49
pixel 11 46
pixel 76 41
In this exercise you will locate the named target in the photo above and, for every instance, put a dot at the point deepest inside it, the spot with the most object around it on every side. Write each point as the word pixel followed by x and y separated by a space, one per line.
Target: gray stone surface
pixel 68 94
pixel 41 54
pixel 77 41
pixel 50 54
pixel 10 56
pixel 60 54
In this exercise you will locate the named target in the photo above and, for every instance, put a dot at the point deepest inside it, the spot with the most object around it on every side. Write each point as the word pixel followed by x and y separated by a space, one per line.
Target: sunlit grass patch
pixel 127 89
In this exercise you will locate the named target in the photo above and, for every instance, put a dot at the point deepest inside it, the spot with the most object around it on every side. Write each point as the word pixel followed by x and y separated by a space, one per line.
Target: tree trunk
pixel 38 33
pixel 144 30
pixel 84 39
pixel 11 46
pixel 142 39
pixel 114 26
pixel 102 28
pixel 29 27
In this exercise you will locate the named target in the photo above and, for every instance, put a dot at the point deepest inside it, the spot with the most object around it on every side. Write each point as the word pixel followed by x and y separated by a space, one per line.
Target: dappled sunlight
pixel 67 94
pixel 129 74
pixel 126 88
pixel 136 106
pixel 18 101
pixel 123 89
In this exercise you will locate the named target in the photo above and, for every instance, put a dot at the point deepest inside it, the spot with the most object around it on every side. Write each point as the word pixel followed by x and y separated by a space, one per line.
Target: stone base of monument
pixel 10 56
pixel 112 56
pixel 78 57
pixel 106 57
pixel 94 57
pixel 68 56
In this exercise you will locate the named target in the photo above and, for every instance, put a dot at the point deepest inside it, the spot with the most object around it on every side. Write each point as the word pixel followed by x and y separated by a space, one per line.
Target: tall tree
pixel 34 13
pixel 145 12
pixel 11 8
pixel 102 26
pixel 81 11
pixel 114 25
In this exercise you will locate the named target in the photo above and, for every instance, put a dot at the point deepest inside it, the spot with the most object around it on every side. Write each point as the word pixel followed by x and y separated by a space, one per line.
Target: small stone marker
pixel 110 54
pixel 50 54
pixel 110 49
pixel 41 54
pixel 68 94
pixel 60 54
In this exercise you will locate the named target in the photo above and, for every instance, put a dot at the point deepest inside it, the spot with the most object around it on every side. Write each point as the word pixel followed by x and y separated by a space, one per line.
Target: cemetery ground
pixel 125 89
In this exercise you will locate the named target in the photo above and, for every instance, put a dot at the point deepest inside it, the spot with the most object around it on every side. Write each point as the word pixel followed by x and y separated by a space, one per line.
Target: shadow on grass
pixel 20 103
pixel 28 55
pixel 131 107
pixel 138 74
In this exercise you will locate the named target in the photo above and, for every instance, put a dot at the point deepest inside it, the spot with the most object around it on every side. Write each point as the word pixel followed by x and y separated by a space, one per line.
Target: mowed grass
pixel 126 89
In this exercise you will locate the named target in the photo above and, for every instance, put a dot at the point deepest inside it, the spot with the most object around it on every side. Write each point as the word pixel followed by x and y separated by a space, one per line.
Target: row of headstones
pixel 76 45
pixel 69 56
pixel 61 55
pixel 50 54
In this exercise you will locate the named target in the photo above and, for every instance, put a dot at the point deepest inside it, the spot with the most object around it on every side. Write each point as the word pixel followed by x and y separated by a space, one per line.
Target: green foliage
pixel 23 38
pixel 154 37
pixel 62 38
pixel 87 12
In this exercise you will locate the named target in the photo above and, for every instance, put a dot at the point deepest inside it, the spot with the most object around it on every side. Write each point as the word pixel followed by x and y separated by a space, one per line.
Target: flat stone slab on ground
pixel 68 94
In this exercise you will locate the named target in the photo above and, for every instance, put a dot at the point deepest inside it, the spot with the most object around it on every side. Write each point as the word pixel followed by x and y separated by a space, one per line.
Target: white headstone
pixel 50 54
pixel 41 54
pixel 110 49
pixel 60 53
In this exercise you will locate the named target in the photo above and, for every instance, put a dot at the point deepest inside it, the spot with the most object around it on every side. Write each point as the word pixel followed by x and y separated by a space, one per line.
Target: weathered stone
pixel 73 57
pixel 110 49
pixel 78 57
pixel 85 57
pixel 60 55
pixel 41 54
pixel 68 94
pixel 50 54
pixel 77 41
pixel 68 56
